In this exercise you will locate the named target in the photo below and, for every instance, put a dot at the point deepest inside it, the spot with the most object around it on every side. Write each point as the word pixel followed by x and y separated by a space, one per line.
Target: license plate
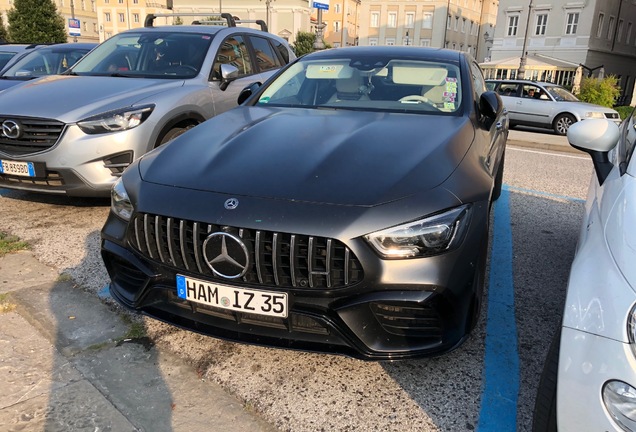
pixel 25 169
pixel 231 298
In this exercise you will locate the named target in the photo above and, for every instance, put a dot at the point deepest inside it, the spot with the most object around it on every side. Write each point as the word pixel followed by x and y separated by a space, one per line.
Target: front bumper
pixel 400 309
pixel 586 363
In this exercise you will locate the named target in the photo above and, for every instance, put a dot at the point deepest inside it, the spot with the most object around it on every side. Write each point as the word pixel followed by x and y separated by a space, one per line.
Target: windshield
pixel 147 55
pixel 364 83
pixel 45 61
pixel 560 94
pixel 5 57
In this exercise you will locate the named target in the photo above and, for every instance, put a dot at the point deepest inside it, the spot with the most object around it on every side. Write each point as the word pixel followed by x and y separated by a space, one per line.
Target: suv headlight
pixel 593 114
pixel 116 121
pixel 119 202
pixel 620 400
pixel 425 237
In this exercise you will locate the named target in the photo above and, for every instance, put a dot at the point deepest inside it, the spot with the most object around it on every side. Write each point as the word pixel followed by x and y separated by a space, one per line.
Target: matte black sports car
pixel 343 207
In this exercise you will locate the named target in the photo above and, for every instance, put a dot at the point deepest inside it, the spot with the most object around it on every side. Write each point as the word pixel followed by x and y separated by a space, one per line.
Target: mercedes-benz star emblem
pixel 231 203
pixel 11 129
pixel 226 255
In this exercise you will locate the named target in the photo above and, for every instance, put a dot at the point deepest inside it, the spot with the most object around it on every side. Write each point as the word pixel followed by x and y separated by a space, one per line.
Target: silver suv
pixel 76 133
pixel 546 105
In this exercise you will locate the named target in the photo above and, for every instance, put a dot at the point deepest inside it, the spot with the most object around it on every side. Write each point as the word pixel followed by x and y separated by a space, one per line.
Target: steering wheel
pixel 417 98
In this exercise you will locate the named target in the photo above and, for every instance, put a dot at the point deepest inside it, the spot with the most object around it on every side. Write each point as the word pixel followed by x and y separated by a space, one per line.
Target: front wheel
pixel 562 123
pixel 173 133
pixel 545 415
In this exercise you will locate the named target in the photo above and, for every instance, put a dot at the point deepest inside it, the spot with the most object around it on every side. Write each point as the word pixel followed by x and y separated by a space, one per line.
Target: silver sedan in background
pixel 546 105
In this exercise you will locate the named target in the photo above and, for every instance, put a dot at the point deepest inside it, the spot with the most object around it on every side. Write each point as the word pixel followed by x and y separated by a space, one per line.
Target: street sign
pixel 74 27
pixel 321 4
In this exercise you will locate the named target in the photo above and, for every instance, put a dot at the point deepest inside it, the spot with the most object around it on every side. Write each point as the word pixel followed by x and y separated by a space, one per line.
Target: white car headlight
pixel 594 114
pixel 425 237
pixel 620 400
pixel 119 202
pixel 116 121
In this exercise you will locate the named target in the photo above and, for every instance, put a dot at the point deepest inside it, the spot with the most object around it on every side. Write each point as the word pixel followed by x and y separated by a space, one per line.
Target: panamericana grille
pixel 36 135
pixel 275 259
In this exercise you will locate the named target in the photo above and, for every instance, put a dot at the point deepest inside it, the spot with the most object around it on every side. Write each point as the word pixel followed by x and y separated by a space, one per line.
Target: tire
pixel 496 190
pixel 562 123
pixel 545 415
pixel 173 133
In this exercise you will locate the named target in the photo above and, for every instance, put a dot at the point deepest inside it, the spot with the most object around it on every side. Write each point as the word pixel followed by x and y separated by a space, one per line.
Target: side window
pixel 478 79
pixel 266 58
pixel 282 50
pixel 508 89
pixel 629 140
pixel 234 52
pixel 532 92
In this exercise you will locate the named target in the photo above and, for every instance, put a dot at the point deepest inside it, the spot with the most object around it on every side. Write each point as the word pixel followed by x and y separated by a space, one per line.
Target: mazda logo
pixel 226 255
pixel 11 129
pixel 231 204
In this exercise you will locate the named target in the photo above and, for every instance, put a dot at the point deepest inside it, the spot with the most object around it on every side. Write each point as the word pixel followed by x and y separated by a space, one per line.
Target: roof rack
pixel 227 19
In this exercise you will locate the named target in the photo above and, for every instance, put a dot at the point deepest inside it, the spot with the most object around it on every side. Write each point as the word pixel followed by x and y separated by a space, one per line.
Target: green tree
pixel 4 37
pixel 304 43
pixel 36 21
pixel 600 91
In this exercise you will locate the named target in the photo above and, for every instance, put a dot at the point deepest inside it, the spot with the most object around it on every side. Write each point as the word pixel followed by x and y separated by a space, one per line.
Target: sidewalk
pixel 543 140
pixel 67 365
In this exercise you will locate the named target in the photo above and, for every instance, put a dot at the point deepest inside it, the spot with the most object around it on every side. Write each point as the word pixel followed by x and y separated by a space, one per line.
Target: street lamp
pixel 521 73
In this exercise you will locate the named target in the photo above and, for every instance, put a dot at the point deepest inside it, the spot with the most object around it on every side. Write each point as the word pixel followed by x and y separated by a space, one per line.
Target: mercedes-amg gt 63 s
pixel 343 207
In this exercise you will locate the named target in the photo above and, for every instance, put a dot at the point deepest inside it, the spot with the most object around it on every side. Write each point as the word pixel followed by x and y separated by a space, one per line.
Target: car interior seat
pixel 351 89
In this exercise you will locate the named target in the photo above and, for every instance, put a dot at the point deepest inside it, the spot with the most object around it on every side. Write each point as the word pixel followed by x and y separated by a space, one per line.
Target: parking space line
pixel 554 153
pixel 544 194
pixel 501 364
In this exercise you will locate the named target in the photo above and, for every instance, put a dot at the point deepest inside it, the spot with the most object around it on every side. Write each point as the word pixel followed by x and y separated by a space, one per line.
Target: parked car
pixel 75 133
pixel 10 52
pixel 546 105
pixel 589 380
pixel 342 208
pixel 42 61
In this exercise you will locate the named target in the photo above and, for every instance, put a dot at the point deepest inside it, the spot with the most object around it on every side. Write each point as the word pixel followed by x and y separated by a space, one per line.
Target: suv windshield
pixel 147 55
pixel 384 84
pixel 45 61
pixel 560 94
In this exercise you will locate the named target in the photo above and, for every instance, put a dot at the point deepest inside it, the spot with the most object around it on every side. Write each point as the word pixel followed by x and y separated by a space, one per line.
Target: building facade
pixel 566 38
pixel 454 24
pixel 341 23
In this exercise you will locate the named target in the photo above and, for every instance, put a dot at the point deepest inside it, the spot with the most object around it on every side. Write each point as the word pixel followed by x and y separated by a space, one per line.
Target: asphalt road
pixel 487 384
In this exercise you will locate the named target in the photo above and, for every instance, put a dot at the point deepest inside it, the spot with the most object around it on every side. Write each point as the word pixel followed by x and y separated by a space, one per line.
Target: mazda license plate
pixel 236 299
pixel 25 169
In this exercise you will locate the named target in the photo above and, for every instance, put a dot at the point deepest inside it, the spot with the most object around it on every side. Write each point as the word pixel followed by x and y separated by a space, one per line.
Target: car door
pixel 509 93
pixel 534 109
pixel 233 51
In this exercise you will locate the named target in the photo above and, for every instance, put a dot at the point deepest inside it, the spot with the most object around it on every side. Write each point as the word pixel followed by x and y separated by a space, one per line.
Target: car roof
pixel 205 29
pixel 515 81
pixel 16 48
pixel 439 54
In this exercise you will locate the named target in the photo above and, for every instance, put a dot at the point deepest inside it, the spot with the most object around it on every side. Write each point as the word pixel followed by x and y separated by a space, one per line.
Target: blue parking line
pixel 544 194
pixel 501 364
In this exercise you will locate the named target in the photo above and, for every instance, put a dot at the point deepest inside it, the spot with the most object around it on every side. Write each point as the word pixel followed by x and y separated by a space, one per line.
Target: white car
pixel 589 380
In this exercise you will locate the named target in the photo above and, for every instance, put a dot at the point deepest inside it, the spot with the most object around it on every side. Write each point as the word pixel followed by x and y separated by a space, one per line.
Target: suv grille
pixel 35 135
pixel 275 259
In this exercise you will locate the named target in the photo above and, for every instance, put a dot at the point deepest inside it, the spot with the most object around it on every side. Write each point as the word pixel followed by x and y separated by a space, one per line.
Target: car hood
pixel 588 106
pixel 70 98
pixel 7 83
pixel 313 155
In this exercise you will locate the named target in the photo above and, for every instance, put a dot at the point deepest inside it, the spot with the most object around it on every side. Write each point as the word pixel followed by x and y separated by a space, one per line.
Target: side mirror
pixel 596 137
pixel 248 91
pixel 228 74
pixel 490 105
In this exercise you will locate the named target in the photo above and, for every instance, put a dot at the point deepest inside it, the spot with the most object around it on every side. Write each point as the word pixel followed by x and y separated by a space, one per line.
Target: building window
pixel 375 19
pixel 448 22
pixel 464 25
pixel 599 29
pixel 610 27
pixel 619 31
pixel 572 23
pixel 94 27
pixel 108 35
pixel 427 20
pixel 392 20
pixel 410 19
pixel 336 8
pixel 390 42
pixel 542 22
pixel 61 3
pixel 93 6
pixel 513 24
pixel 121 1
pixel 456 23
pixel 425 42
pixel 454 46
pixel 85 26
pixel 83 4
pixel 107 16
pixel 136 17
pixel 628 36
pixel 336 26
pixel 135 1
pixel 373 41
pixel 121 17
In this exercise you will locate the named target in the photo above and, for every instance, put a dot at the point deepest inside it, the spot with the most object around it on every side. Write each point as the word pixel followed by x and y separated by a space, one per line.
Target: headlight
pixel 592 115
pixel 425 237
pixel 620 400
pixel 119 201
pixel 115 121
